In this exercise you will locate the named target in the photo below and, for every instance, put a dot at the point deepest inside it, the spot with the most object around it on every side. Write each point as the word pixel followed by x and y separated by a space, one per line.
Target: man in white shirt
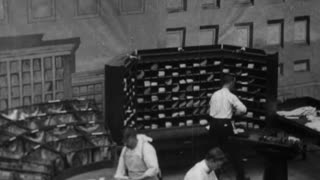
pixel 138 159
pixel 205 169
pixel 223 105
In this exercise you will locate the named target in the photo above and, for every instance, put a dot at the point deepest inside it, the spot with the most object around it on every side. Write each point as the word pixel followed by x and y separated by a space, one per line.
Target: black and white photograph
pixel 159 90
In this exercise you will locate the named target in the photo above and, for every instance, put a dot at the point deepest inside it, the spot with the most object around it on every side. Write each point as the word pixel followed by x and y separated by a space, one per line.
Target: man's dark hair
pixel 129 132
pixel 215 154
pixel 227 78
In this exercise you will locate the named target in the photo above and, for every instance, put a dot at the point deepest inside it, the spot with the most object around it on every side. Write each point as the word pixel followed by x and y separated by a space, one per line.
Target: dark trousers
pixel 220 130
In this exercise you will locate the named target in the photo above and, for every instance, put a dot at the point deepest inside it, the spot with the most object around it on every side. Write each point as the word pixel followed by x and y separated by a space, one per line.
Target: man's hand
pixel 138 178
pixel 238 113
pixel 122 178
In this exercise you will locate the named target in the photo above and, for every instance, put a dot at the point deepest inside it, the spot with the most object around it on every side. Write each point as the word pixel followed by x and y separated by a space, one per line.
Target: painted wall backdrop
pixel 109 29
pixel 104 32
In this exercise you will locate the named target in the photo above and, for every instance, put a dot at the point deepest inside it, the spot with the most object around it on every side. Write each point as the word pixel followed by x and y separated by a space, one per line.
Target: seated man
pixel 205 169
pixel 138 159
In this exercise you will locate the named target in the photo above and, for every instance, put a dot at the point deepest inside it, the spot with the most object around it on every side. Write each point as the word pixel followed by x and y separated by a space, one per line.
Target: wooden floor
pixel 298 170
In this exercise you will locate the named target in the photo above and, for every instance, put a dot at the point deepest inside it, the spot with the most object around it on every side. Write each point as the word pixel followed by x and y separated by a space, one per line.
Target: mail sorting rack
pixel 43 133
pixel 166 88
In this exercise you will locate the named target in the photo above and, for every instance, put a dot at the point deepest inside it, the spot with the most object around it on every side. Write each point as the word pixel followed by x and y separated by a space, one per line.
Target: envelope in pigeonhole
pixel 250 65
pixel 161 73
pixel 168 124
pixel 147 83
pixel 162 90
pixel 168 67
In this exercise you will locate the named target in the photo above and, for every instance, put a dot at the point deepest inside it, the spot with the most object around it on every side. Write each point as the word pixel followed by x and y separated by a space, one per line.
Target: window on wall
pixel 245 2
pixel 208 35
pixel 3 11
pixel 175 37
pixel 41 10
pixel 87 8
pixel 176 5
pixel 33 80
pixel 280 69
pixel 302 29
pixel 4 84
pixel 244 35
pixel 15 83
pixel 89 91
pixel 275 33
pixel 210 4
pixel 131 6
pixel 301 65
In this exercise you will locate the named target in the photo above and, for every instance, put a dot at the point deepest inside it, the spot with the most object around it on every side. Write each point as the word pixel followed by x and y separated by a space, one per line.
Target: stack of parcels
pixel 309 116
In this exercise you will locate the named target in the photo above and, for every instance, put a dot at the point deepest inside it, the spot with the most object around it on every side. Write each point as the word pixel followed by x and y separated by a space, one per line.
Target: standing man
pixel 223 105
pixel 138 159
pixel 205 169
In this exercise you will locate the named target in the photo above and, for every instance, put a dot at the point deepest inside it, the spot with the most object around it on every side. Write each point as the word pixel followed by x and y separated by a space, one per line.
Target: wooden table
pixel 276 155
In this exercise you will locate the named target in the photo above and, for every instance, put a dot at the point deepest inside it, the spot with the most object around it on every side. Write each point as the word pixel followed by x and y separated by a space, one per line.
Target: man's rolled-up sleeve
pixel 211 107
pixel 238 105
pixel 121 169
pixel 151 160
